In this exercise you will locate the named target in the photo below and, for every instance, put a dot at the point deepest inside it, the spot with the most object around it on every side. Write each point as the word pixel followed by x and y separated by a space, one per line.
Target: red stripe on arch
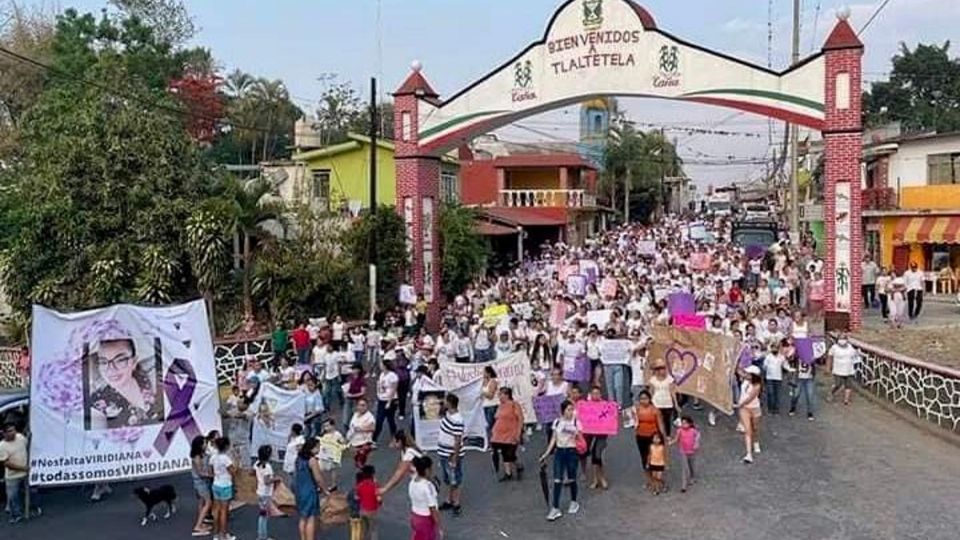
pixel 926 227
pixel 901 231
pixel 950 235
pixel 765 110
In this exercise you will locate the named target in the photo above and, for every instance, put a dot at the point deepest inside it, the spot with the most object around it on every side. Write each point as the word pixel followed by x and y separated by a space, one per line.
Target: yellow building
pixel 912 202
pixel 337 177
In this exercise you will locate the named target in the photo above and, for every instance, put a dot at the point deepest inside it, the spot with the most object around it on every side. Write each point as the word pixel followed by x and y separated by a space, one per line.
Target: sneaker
pixel 810 417
pixel 554 514
pixel 740 428
pixel 712 418
pixel 400 418
pixel 791 413
pixel 14 521
pixel 748 458
pixel 201 532
pixel 574 507
pixel 756 448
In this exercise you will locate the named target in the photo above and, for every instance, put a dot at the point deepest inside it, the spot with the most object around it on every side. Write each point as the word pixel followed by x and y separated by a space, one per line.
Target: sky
pixel 306 42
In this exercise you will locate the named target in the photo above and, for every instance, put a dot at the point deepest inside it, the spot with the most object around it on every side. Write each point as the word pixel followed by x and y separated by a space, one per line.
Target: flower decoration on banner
pixel 124 435
pixel 96 331
pixel 60 385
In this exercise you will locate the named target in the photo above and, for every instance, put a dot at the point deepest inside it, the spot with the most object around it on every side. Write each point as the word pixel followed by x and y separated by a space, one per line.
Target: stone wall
pixel 930 391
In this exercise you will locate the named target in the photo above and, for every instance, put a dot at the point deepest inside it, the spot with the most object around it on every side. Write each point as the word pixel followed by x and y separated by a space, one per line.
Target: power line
pixel 872 17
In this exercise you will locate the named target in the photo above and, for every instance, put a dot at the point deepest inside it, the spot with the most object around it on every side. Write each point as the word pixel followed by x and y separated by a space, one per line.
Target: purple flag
pixel 682 304
pixel 809 349
pixel 576 369
pixel 547 408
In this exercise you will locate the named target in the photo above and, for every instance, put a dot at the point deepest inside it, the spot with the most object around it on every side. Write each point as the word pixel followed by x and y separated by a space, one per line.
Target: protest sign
pixel 408 295
pixel 680 303
pixel 615 351
pixel 429 414
pixel 513 371
pixel 599 317
pixel 524 310
pixel 687 320
pixel 701 261
pixel 590 270
pixel 558 313
pixel 275 410
pixel 576 285
pixel 598 417
pixel 83 429
pixel 647 247
pixel 492 315
pixel 566 271
pixel 701 363
pixel 810 349
pixel 698 231
pixel 548 407
pixel 576 369
pixel 608 287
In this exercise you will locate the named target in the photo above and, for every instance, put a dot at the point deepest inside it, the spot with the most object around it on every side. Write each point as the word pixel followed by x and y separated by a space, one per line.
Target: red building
pixel 546 197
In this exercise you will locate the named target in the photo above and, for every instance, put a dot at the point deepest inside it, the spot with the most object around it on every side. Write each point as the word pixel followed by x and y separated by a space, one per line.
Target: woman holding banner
pixel 556 386
pixel 490 395
pixel 596 445
pixel 507 432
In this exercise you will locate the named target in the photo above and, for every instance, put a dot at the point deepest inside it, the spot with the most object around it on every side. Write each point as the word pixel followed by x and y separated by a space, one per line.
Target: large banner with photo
pixel 117 393
pixel 429 413
pixel 513 371
pixel 701 363
pixel 275 410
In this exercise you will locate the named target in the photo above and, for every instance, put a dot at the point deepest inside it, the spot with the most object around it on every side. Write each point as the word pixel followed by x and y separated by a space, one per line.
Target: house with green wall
pixel 337 177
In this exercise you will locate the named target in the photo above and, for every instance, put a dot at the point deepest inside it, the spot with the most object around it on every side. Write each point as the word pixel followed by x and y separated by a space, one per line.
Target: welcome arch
pixel 594 48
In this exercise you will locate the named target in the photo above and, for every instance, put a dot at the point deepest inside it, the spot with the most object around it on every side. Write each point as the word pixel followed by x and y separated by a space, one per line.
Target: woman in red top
pixel 368 500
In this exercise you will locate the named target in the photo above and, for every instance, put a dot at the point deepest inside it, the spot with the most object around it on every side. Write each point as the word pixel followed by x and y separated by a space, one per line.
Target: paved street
pixel 856 473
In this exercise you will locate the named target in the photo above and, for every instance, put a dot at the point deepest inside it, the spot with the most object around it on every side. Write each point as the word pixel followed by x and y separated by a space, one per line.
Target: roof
pixel 356 142
pixel 842 37
pixel 487 228
pixel 416 85
pixel 528 217
pixel 542 160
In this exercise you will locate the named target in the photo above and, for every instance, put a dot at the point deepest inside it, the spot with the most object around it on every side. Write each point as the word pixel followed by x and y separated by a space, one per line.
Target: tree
pixel 93 209
pixel 340 110
pixel 923 92
pixel 391 251
pixel 199 95
pixel 168 18
pixel 464 251
pixel 261 117
pixel 645 158
pixel 208 232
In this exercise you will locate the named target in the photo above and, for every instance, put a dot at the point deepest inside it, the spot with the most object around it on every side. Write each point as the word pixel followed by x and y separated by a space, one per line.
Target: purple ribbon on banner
pixel 179 397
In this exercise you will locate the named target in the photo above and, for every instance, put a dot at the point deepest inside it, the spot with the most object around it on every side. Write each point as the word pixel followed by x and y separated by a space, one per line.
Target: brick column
pixel 418 191
pixel 843 138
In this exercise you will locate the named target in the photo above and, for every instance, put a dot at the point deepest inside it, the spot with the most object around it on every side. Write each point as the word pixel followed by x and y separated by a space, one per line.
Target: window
pixel 449 187
pixel 943 169
pixel 320 188
pixel 597 123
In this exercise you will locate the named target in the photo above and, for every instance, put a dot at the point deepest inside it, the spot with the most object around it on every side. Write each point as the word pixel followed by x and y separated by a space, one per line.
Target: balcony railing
pixel 879 199
pixel 540 198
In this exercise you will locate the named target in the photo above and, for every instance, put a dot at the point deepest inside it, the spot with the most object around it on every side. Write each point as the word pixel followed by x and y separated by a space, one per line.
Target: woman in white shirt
pixel 360 432
pixel 842 364
pixel 773 364
pixel 800 328
pixel 664 391
pixel 566 431
pixel 424 510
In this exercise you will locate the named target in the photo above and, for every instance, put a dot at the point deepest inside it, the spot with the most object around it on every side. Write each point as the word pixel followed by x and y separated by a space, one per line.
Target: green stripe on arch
pixel 455 121
pixel 776 96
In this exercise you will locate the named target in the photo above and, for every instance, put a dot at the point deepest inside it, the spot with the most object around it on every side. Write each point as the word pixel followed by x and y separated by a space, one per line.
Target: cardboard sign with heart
pixel 681 364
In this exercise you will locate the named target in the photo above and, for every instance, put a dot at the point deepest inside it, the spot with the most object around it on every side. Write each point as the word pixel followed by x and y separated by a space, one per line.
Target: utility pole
pixel 794 136
pixel 626 196
pixel 374 124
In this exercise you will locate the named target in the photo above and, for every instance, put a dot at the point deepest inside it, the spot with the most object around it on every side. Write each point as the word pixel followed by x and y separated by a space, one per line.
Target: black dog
pixel 152 497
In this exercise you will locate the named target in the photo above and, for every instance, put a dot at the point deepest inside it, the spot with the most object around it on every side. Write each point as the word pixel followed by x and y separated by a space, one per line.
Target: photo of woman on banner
pixel 122 385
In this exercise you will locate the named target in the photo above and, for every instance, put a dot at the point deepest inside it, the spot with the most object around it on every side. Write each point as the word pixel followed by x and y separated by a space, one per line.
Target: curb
pixel 921 424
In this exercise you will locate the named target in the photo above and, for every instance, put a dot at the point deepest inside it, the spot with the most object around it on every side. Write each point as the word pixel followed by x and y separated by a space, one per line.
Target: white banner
pixel 118 393
pixel 275 411
pixel 599 317
pixel 429 414
pixel 616 351
pixel 513 371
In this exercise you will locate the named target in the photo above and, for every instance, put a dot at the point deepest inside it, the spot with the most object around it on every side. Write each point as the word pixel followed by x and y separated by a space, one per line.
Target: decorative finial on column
pixel 416 66
pixel 843 13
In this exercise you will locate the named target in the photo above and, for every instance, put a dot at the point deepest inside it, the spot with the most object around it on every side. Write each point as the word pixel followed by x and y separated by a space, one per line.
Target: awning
pixel 485 228
pixel 928 230
pixel 526 216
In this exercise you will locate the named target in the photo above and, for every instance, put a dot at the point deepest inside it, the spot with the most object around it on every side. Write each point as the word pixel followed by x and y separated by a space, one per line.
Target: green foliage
pixel 923 92
pixel 391 252
pixel 97 202
pixel 263 116
pixel 645 158
pixel 308 274
pixel 464 251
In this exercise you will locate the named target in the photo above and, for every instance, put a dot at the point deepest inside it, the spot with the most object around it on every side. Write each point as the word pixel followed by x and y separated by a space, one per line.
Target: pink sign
pixel 692 322
pixel 558 313
pixel 608 287
pixel 701 261
pixel 598 417
pixel 567 271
